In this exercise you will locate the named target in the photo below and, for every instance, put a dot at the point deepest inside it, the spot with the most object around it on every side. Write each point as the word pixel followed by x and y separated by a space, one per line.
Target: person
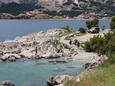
pixel 70 42
pixel 36 51
pixel 78 44
pixel 76 41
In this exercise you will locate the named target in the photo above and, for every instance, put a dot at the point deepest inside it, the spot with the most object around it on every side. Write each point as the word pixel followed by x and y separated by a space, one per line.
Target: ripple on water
pixel 34 72
pixel 59 70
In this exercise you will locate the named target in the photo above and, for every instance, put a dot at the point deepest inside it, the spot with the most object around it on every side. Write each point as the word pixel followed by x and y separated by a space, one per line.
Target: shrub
pixel 112 23
pixel 82 30
pixel 92 23
pixel 102 45
pixel 95 44
pixel 67 30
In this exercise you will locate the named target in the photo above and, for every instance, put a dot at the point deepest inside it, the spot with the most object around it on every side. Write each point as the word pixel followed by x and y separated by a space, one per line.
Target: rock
pixel 58 61
pixel 7 83
pixel 3 58
pixel 58 80
pixel 61 79
pixel 90 65
pixel 51 81
pixel 12 58
pixel 78 80
pixel 59 85
pixel 61 61
pixel 87 65
pixel 27 53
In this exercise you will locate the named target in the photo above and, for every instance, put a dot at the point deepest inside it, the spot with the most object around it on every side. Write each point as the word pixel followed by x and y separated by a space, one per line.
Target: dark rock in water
pixel 90 65
pixel 59 70
pixel 51 82
pixel 58 61
pixel 87 65
pixel 61 61
pixel 52 61
pixel 12 59
pixel 6 83
pixel 58 80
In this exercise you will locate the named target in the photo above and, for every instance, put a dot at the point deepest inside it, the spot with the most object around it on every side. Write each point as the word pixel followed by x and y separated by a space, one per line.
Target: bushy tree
pixel 82 30
pixel 112 23
pixel 102 45
pixel 92 23
pixel 88 24
pixel 96 44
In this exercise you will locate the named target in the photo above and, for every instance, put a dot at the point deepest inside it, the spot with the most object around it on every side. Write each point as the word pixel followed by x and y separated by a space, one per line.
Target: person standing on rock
pixel 70 42
pixel 78 44
pixel 36 51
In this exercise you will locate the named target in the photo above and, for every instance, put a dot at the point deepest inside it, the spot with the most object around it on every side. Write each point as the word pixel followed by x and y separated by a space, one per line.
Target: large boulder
pixel 28 53
pixel 58 80
pixel 10 57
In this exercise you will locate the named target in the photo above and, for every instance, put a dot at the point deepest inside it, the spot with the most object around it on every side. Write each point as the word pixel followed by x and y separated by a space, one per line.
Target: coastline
pixel 50 41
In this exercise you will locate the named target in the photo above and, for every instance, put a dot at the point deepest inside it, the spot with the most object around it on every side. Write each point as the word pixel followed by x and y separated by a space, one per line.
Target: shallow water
pixel 36 72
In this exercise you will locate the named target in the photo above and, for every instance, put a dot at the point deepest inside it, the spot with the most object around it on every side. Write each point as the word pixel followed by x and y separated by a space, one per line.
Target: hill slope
pixel 68 8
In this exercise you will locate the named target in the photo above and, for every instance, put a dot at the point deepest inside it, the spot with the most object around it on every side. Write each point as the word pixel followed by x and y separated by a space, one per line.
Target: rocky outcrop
pixel 6 83
pixel 46 45
pixel 37 9
pixel 10 57
pixel 58 80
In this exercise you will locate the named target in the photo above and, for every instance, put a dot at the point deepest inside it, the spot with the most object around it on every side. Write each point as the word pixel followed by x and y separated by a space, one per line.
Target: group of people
pixel 76 42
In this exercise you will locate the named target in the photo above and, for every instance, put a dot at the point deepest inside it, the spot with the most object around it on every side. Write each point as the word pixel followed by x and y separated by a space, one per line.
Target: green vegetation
pixel 92 23
pixel 99 77
pixel 96 44
pixel 15 8
pixel 102 45
pixel 64 31
pixel 58 45
pixel 104 75
pixel 112 23
pixel 67 30
pixel 82 30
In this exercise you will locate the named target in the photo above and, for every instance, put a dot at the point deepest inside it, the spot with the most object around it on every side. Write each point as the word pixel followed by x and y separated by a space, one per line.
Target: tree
pixel 92 23
pixel 95 22
pixel 82 30
pixel 112 23
pixel 88 24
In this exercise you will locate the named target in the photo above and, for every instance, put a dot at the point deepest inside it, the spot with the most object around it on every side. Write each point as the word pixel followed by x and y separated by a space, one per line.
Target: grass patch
pixel 103 76
pixel 58 45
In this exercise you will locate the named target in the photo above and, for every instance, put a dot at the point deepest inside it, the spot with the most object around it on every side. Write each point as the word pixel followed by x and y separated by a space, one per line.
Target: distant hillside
pixel 58 7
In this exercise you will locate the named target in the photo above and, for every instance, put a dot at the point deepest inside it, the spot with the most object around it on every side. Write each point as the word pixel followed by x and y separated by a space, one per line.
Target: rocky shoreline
pixel 54 43
pixel 49 44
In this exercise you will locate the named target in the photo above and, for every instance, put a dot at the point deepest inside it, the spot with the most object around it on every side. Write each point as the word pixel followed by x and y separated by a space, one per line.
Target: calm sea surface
pixel 36 72
pixel 9 29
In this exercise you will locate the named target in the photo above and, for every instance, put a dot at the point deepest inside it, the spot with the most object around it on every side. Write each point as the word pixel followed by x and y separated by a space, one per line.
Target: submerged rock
pixel 6 83
pixel 10 57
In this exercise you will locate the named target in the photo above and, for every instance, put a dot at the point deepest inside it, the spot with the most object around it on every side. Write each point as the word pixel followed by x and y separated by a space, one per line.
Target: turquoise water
pixel 9 29
pixel 36 72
